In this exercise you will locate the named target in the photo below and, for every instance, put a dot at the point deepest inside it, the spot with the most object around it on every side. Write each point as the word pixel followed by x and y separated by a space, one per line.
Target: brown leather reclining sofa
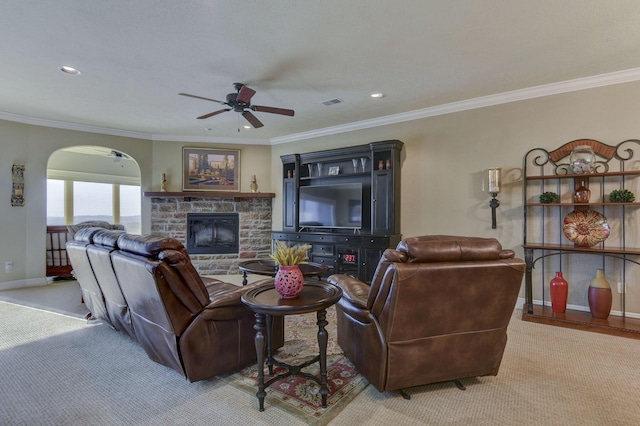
pixel 146 286
pixel 437 310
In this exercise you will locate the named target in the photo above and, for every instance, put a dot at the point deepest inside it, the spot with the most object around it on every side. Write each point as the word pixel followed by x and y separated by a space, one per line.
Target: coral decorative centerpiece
pixel 289 279
pixel 586 228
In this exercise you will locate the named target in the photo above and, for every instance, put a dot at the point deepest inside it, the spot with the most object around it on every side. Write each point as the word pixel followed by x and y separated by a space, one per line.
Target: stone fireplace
pixel 169 213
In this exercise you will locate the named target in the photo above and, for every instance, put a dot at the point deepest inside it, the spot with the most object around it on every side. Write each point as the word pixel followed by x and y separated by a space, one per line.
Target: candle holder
pixel 494 176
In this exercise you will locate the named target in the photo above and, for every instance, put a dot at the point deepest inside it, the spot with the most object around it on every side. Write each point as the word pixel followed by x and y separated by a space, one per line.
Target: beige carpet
pixel 63 297
pixel 62 370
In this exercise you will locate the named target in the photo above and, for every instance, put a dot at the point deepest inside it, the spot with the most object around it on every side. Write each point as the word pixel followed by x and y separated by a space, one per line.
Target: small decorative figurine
pixel 163 183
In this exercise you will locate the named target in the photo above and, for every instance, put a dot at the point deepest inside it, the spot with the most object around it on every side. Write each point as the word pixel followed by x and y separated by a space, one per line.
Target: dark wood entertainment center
pixel 350 250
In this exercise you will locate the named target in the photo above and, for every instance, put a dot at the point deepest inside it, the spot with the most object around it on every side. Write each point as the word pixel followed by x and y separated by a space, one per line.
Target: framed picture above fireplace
pixel 210 169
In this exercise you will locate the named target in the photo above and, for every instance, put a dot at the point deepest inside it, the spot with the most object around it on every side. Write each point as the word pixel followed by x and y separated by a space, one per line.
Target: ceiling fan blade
pixel 200 97
pixel 273 110
pixel 245 94
pixel 252 119
pixel 211 114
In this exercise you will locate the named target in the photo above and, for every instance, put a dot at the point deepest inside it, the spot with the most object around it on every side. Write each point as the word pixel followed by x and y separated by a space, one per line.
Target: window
pixel 94 201
pixel 55 202
pixel 130 208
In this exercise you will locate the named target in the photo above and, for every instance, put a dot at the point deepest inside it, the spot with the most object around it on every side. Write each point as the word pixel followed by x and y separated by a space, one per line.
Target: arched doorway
pixel 89 183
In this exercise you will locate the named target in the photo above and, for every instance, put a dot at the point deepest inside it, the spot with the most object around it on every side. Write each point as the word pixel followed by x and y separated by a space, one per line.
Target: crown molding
pixel 207 139
pixel 592 82
pixel 480 102
pixel 124 133
pixel 72 126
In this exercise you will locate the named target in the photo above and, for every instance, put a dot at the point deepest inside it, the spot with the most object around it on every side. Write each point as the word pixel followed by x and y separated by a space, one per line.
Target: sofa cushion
pixel 92 224
pixel 449 248
pixel 85 235
pixel 107 238
pixel 148 245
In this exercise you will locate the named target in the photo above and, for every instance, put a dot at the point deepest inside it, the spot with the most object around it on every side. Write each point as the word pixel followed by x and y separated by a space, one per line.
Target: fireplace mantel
pixel 209 194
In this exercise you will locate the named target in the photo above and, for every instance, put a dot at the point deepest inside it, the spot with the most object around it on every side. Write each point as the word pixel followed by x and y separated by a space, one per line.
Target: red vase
pixel 600 297
pixel 289 281
pixel 559 289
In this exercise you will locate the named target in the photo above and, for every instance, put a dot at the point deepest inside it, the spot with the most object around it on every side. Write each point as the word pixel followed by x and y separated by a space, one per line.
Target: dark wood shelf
pixel 594 250
pixel 341 175
pixel 210 194
pixel 580 204
pixel 586 175
pixel 578 320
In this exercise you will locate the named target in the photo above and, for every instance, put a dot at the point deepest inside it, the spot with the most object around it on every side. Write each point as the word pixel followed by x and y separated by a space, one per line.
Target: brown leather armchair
pixel 437 310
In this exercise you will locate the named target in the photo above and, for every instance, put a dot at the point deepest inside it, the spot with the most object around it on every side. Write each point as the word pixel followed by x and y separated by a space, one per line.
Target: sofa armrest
pixel 353 290
pixel 225 294
pixel 507 254
pixel 224 302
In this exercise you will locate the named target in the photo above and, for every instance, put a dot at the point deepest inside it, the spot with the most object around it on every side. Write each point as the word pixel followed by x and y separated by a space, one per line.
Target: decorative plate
pixel 586 227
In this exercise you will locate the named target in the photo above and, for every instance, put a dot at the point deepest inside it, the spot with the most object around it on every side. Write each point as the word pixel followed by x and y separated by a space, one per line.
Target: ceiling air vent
pixel 332 101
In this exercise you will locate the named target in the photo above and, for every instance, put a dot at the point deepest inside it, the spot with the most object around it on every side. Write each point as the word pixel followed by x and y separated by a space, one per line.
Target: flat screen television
pixel 331 206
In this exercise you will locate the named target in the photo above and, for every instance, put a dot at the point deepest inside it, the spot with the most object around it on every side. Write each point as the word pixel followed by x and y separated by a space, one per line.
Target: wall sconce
pixel 494 189
pixel 17 186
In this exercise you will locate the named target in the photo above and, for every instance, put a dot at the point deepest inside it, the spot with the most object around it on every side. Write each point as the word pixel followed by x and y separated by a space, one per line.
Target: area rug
pixel 298 395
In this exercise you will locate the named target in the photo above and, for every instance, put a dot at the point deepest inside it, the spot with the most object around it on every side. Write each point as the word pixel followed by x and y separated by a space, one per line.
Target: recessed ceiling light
pixel 377 95
pixel 69 70
pixel 246 126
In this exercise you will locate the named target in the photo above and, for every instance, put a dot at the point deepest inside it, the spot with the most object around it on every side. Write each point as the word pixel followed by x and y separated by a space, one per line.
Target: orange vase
pixel 559 289
pixel 582 194
pixel 289 281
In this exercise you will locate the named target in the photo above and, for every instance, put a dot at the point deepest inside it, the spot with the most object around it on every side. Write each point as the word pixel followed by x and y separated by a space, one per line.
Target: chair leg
pixel 457 382
pixel 404 394
pixel 459 385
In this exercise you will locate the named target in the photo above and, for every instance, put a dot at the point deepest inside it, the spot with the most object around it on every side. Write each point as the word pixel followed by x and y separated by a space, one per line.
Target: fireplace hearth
pixel 213 233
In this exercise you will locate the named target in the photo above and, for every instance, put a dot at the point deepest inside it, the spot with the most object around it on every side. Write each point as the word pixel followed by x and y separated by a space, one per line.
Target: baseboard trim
pixel 29 282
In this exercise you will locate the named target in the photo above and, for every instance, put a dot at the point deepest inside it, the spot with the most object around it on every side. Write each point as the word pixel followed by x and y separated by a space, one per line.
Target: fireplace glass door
pixel 212 233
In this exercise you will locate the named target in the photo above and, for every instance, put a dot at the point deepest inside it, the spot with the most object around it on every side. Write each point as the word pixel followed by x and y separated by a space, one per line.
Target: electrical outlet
pixel 8 266
pixel 620 288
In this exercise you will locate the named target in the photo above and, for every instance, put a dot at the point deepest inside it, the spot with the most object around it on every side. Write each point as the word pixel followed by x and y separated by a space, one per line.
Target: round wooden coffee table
pixel 268 267
pixel 264 300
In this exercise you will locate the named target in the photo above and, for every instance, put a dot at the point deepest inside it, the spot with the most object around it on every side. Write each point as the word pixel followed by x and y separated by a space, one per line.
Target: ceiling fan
pixel 241 102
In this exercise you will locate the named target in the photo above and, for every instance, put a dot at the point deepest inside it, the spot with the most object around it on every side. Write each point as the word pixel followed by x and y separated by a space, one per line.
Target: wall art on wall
pixel 210 169
pixel 17 190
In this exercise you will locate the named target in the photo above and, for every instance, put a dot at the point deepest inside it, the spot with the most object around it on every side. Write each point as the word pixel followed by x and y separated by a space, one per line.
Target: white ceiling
pixel 137 55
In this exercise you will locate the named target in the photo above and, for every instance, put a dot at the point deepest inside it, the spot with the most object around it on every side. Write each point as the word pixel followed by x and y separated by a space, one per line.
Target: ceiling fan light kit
pixel 241 102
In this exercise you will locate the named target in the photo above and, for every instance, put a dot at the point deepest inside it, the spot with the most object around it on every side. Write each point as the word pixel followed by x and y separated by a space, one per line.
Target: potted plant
pixel 289 279
pixel 549 198
pixel 621 196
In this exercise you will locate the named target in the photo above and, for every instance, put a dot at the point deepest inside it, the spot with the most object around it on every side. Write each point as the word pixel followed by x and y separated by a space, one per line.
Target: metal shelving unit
pixel 545 170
